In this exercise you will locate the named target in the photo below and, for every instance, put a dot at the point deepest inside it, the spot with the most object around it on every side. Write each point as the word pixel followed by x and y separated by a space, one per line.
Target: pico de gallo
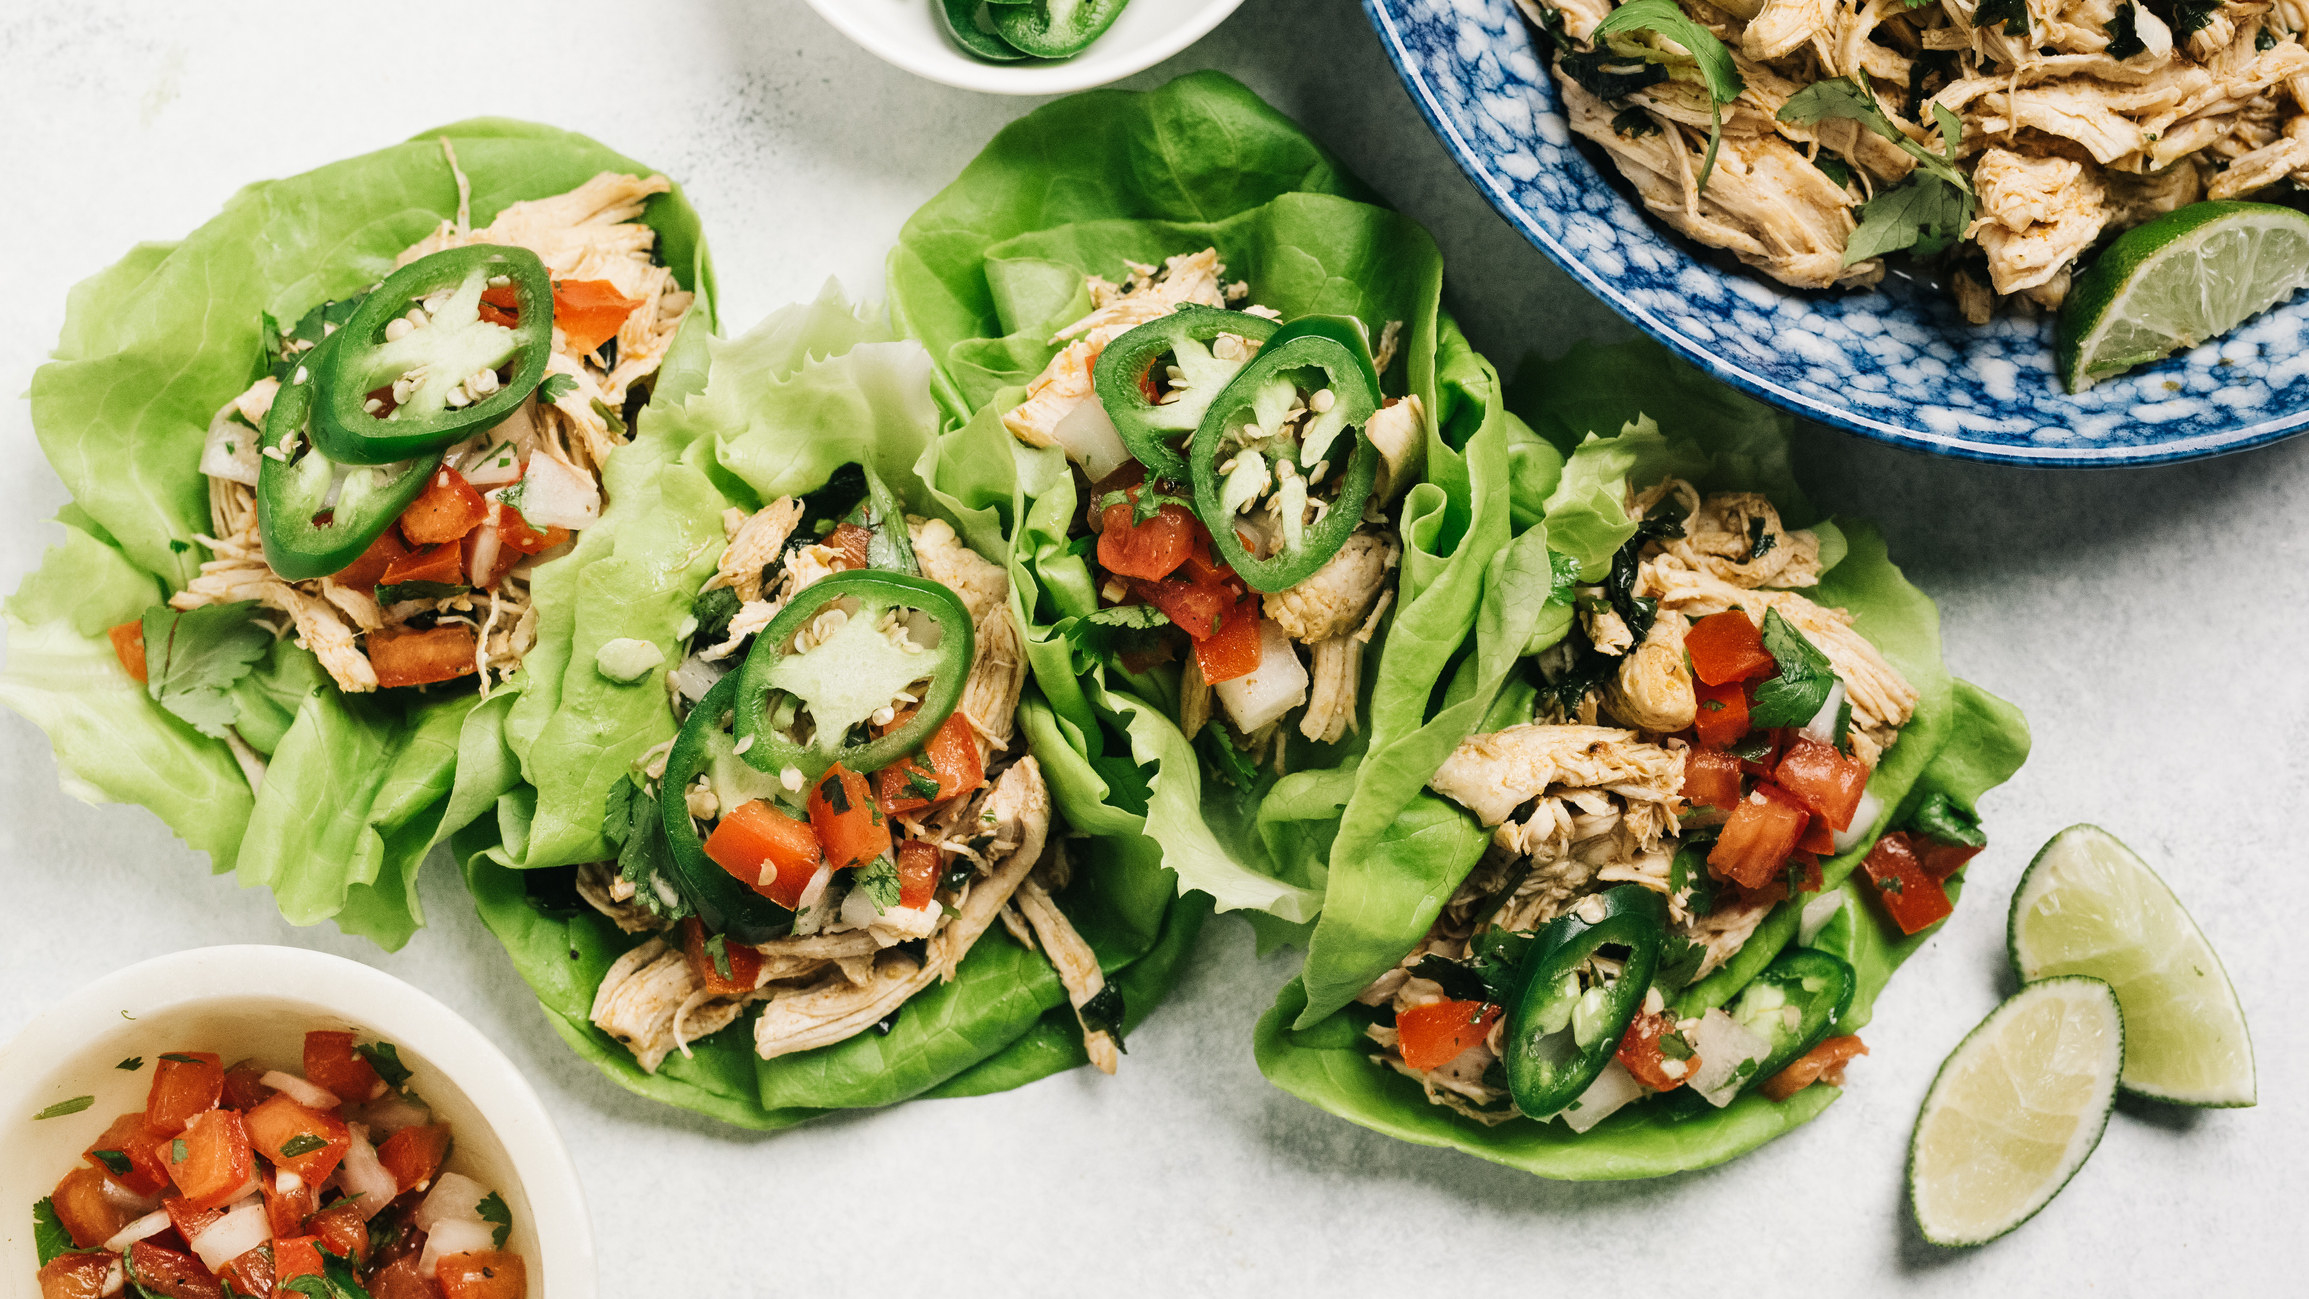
pixel 1659 783
pixel 842 815
pixel 405 456
pixel 1236 470
pixel 329 1179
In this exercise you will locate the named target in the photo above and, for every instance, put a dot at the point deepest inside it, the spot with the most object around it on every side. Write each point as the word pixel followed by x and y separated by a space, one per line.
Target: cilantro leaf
pixel 304 1143
pixel 116 1160
pixel 316 1286
pixel 62 1108
pixel 1717 71
pixel 2012 13
pixel 492 1209
pixel 1674 1047
pixel 1105 635
pixel 555 387
pixel 385 1058
pixel 49 1238
pixel 1926 213
pixel 1492 971
pixel 1104 1013
pixel 718 950
pixel 1793 697
pixel 131 1064
pixel 713 611
pixel 1679 961
pixel 194 657
pixel 1949 821
pixel 879 880
pixel 630 820
pixel 610 417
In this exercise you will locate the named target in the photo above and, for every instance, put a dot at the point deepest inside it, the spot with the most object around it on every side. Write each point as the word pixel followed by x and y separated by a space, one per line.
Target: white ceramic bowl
pixel 260 1001
pixel 911 34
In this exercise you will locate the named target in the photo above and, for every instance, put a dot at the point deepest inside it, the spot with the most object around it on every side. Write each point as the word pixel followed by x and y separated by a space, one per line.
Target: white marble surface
pixel 2149 621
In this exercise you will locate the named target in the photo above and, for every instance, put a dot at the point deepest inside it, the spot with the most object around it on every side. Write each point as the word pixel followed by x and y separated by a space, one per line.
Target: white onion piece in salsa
pixel 302 1092
pixel 454 1198
pixel 554 495
pixel 1266 692
pixel 233 1235
pixel 151 1224
pixel 456 1236
pixel 1822 728
pixel 362 1177
pixel 1863 821
pixel 1088 436
pixel 393 1112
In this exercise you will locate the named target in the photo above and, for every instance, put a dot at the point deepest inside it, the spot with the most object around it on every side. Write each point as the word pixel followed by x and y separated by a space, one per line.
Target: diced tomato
pixel 849 824
pixel 364 573
pixel 1803 873
pixel 589 313
pixel 189 1219
pixel 1199 611
pixel 171 1274
pixel 1819 838
pixel 919 865
pixel 1722 717
pixel 400 1279
pixel 1757 839
pixel 75 1276
pixel 342 1231
pixel 1941 860
pixel 1711 779
pixel 949 760
pixel 501 305
pixel 283 1122
pixel 217 1164
pixel 447 509
pixel 296 1256
pixel 850 539
pixel 130 1138
pixel 743 962
pixel 515 534
pixel 288 1209
pixel 1152 549
pixel 417 658
pixel 769 852
pixel 443 564
pixel 1772 744
pixel 128 643
pixel 244 1087
pixel 1433 1035
pixel 1201 567
pixel 1822 779
pixel 1913 899
pixel 332 1064
pixel 1235 650
pixel 87 1213
pixel 414 1155
pixel 1726 647
pixel 251 1274
pixel 489 1274
pixel 1641 1053
pixel 1823 1063
pixel 184 1083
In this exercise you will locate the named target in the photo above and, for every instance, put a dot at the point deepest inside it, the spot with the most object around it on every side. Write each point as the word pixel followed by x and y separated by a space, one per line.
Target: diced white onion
pixel 231 452
pixel 393 1112
pixel 859 911
pixel 555 495
pixel 454 1198
pixel 1723 1046
pixel 486 544
pixel 233 1235
pixel 151 1224
pixel 370 1184
pixel 1822 728
pixel 115 1281
pixel 695 677
pixel 300 1091
pixel 455 1237
pixel 809 916
pixel 1816 915
pixel 1612 1088
pixel 1266 692
pixel 493 464
pixel 1863 821
pixel 1089 439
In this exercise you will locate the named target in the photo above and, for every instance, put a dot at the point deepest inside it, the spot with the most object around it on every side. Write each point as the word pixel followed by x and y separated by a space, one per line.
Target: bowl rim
pixel 361 994
pixel 952 67
pixel 1499 194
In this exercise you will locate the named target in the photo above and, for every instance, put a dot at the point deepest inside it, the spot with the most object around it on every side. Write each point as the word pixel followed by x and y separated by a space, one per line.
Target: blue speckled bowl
pixel 1895 363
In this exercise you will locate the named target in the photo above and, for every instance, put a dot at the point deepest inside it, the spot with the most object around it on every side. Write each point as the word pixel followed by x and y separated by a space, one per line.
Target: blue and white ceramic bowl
pixel 1895 363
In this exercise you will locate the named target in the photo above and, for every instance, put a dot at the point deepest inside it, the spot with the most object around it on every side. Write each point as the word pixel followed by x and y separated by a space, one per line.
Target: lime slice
pixel 2088 906
pixel 2015 1110
pixel 2189 275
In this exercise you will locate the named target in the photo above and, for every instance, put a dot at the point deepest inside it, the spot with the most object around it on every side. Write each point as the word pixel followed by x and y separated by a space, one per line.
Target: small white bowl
pixel 911 34
pixel 260 1001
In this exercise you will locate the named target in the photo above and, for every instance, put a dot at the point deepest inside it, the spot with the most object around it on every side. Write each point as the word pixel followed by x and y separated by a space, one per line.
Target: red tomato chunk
pixel 1915 901
pixel 1433 1035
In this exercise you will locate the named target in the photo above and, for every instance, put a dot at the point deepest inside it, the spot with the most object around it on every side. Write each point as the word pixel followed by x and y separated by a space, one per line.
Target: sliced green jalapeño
pixel 388 393
pixel 1186 338
pixel 1795 1002
pixel 705 748
pixel 1245 426
pixel 305 533
pixel 1572 1014
pixel 811 709
pixel 1053 29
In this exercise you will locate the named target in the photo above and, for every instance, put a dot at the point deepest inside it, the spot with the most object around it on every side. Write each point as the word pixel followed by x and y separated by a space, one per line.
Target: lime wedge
pixel 2189 275
pixel 2088 906
pixel 2015 1110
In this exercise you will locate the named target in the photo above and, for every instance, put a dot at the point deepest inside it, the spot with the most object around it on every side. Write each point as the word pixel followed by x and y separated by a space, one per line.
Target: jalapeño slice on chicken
pixel 832 677
pixel 725 903
pixel 1583 981
pixel 1283 438
pixel 1150 410
pixel 1794 1003
pixel 306 534
pixel 416 368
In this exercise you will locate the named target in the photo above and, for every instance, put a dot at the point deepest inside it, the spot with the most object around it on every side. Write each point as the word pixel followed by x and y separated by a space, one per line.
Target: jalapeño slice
pixel 424 380
pixel 1794 1003
pixel 1565 1026
pixel 812 709
pixel 722 900
pixel 1316 354
pixel 305 533
pixel 1123 380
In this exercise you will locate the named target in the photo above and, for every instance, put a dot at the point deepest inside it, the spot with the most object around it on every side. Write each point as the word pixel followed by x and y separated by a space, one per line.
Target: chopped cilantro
pixel 116 1160
pixel 49 1238
pixel 713 611
pixel 836 797
pixel 194 657
pixel 2012 13
pixel 1718 72
pixel 177 1153
pixel 1949 821
pixel 1104 1013
pixel 304 1143
pixel 1925 213
pixel 1635 124
pixel 492 1209
pixel 385 1058
pixel 555 387
pixel 919 785
pixel 718 949
pixel 62 1108
pixel 1674 1047
pixel 1793 697
pixel 179 1057
pixel 2124 32
pixel 610 417
pixel 131 1064
pixel 879 880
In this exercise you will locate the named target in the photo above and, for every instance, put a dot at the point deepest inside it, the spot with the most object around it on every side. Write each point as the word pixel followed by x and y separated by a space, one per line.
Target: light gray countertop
pixel 2148 621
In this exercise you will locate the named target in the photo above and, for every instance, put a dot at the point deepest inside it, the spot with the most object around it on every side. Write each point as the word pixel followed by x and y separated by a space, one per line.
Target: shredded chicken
pixel 998 673
pixel 756 547
pixel 1077 965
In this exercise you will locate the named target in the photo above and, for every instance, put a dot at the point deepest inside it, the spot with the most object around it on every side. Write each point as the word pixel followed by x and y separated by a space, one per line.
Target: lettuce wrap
pixel 244 747
pixel 1201 177
pixel 1624 418
pixel 814 392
